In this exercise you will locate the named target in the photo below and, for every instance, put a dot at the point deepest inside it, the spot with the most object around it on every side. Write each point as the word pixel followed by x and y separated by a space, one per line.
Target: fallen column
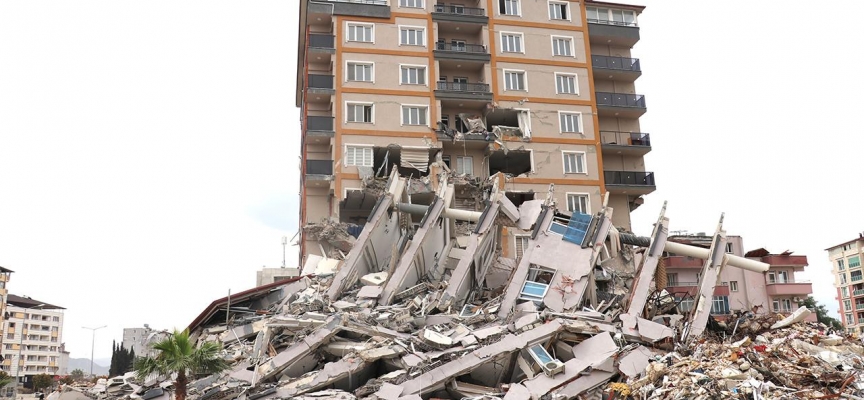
pixel 708 280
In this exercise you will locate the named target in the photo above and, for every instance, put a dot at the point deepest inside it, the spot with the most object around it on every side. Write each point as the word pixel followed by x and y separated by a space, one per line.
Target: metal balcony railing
pixel 320 81
pixel 620 100
pixel 629 178
pixel 462 48
pixel 780 281
pixel 319 123
pixel 322 41
pixel 625 138
pixel 373 2
pixel 459 10
pixel 463 87
pixel 859 292
pixel 319 167
pixel 859 306
pixel 610 22
pixel 616 63
pixel 856 278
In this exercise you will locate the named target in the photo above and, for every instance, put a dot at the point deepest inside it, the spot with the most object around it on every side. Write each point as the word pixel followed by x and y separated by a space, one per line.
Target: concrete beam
pixel 694 327
pixel 645 272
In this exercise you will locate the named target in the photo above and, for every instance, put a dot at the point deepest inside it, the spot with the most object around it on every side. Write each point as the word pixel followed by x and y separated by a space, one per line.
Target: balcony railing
pixel 782 281
pixel 859 292
pixel 785 310
pixel 462 48
pixel 620 100
pixel 629 178
pixel 683 262
pixel 322 41
pixel 682 284
pixel 610 22
pixel 374 2
pixel 463 87
pixel 856 278
pixel 616 63
pixel 459 10
pixel 859 306
pixel 625 138
pixel 319 123
pixel 320 81
pixel 319 167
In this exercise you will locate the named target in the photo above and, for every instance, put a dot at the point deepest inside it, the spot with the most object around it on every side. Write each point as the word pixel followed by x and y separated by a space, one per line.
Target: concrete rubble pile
pixel 422 303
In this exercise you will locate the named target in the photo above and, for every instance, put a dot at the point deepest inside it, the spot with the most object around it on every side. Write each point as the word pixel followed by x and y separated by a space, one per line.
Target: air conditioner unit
pixel 552 367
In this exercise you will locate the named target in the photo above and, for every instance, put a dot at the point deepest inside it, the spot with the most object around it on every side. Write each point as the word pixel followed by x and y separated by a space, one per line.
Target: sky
pixel 149 151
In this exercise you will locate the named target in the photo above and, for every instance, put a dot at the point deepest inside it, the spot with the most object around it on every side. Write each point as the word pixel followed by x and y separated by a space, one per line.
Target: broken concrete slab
pixel 634 363
pixel 374 279
pixel 370 292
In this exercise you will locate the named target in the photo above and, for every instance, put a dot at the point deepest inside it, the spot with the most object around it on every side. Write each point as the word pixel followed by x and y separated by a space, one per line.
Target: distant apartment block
pixel 142 339
pixel 846 265
pixel 5 274
pixel 33 339
pixel 777 290
pixel 542 91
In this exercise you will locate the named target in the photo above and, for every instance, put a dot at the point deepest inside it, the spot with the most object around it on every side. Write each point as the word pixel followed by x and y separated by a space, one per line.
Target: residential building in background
pixel 846 265
pixel 541 91
pixel 33 339
pixel 5 274
pixel 777 290
pixel 142 339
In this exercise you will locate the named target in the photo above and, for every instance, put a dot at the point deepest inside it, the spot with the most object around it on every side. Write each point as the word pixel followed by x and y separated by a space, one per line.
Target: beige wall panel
pixel 537 43
pixel 386 35
pixel 387 112
pixel 386 71
pixel 538 11
pixel 541 81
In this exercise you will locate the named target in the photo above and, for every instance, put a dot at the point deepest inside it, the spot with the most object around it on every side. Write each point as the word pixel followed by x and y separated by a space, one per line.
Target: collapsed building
pixel 422 303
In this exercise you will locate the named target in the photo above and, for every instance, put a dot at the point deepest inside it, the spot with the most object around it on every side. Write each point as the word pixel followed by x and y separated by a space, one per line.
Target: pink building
pixel 776 290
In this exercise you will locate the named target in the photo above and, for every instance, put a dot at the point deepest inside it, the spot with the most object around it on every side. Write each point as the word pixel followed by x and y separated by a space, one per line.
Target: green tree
pixel 67 380
pixel 177 354
pixel 42 381
pixel 5 379
pixel 77 374
pixel 821 313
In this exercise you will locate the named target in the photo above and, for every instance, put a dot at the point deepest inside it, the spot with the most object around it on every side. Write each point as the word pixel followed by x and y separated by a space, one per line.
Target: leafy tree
pixel 67 380
pixel 5 379
pixel 177 354
pixel 77 374
pixel 821 313
pixel 42 381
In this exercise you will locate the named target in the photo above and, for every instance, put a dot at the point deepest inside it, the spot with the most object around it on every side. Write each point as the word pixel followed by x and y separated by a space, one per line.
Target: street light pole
pixel 92 344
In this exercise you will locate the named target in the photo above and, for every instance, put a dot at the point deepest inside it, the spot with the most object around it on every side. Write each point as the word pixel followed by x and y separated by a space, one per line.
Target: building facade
pixel 142 339
pixel 5 274
pixel 542 91
pixel 33 339
pixel 846 265
pixel 777 290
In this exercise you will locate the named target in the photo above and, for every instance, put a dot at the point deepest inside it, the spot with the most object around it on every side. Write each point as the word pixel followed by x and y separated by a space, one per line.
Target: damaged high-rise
pixel 541 91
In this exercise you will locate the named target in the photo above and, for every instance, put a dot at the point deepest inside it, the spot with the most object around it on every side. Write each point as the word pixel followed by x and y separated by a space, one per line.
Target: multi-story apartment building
pixel 540 90
pixel 846 264
pixel 777 290
pixel 142 339
pixel 5 274
pixel 33 333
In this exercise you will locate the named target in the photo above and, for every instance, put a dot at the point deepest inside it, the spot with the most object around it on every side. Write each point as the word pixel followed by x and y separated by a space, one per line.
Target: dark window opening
pixel 517 198
pixel 356 206
pixel 387 158
pixel 514 162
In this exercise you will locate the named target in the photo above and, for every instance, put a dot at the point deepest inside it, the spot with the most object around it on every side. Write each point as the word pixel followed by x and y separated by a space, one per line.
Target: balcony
pixel 463 91
pixel 785 261
pixel 613 33
pixel 789 288
pixel 321 47
pixel 356 8
pixel 319 173
pixel 859 306
pixel 859 292
pixel 620 104
pixel 616 68
pixel 629 182
pixel 683 262
pixel 680 289
pixel 855 278
pixel 625 143
pixel 461 51
pixel 457 13
pixel 320 87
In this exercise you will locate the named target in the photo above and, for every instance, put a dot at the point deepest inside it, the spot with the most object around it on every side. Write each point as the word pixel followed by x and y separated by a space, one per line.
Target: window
pixel 611 16
pixel 720 305
pixel 11 324
pixel 562 46
pixel 413 75
pixel 412 36
pixel 511 42
pixel 570 122
pixel 514 80
pixel 840 265
pixel 360 33
pixel 845 291
pixel 360 156
pixel 464 165
pixel 537 283
pixel 733 286
pixel 729 247
pixel 671 279
pixel 411 3
pixel 414 115
pixel 578 203
pixel 574 162
pixel 521 245
pixel 508 7
pixel 847 305
pixel 566 84
pixel 359 112
pixel 849 319
pixel 843 278
pixel 854 262
pixel 685 305
pixel 558 10
pixel 360 72
pixel 540 355
pixel 56 319
pixel 10 336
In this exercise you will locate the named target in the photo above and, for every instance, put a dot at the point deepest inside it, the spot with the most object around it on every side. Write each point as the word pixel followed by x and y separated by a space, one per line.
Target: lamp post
pixel 21 347
pixel 92 343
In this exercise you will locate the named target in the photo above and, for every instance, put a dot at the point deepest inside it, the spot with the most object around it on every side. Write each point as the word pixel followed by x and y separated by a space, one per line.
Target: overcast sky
pixel 149 150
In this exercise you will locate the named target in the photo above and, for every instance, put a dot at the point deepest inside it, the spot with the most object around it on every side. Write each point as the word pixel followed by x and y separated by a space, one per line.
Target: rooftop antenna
pixel 284 243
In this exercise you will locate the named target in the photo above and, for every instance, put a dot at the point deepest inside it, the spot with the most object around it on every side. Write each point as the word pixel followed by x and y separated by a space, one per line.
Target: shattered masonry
pixel 423 302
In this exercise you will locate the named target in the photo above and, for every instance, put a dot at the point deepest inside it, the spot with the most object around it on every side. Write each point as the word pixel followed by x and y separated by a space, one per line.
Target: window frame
pixel 425 74
pixel 504 72
pixel 356 62
pixel 575 83
pixel 345 148
pixel 402 114
pixel 421 28
pixel 348 25
pixel 516 239
pixel 572 45
pixel 564 161
pixel 578 116
pixel 421 7
pixel 566 5
pixel 349 103
pixel 579 194
pixel 733 286
pixel 521 36
pixel 456 165
pixel 533 268
pixel 518 9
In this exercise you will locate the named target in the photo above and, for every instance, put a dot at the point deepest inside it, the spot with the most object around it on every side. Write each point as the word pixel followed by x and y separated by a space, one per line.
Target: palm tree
pixel 177 355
